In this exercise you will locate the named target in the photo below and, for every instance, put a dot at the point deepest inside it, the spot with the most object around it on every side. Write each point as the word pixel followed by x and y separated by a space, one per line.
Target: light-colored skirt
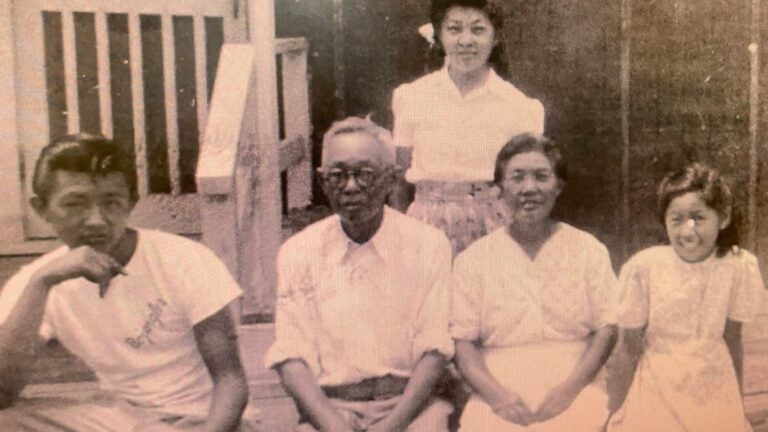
pixel 465 211
pixel 531 371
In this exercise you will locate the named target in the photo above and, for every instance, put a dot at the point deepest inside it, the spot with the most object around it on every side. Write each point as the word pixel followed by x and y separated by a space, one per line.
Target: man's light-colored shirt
pixel 455 137
pixel 139 338
pixel 353 311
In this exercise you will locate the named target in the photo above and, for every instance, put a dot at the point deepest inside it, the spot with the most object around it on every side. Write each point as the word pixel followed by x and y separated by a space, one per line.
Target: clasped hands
pixel 514 409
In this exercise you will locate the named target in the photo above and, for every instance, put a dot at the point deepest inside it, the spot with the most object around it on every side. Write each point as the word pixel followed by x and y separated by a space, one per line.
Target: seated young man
pixel 146 310
pixel 363 300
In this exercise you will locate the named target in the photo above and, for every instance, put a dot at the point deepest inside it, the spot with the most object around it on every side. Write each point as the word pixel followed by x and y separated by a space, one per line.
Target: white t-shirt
pixel 139 338
pixel 455 137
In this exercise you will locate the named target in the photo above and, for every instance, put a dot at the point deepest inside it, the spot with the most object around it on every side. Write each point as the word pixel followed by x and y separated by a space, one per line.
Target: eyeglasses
pixel 336 177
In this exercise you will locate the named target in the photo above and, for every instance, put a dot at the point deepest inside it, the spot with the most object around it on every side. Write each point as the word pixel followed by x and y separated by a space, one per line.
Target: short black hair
pixel 524 143
pixel 714 190
pixel 83 153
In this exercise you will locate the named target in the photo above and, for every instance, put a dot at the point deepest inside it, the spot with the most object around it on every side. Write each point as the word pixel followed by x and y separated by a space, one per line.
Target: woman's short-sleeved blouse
pixel 503 298
pixel 680 299
pixel 455 137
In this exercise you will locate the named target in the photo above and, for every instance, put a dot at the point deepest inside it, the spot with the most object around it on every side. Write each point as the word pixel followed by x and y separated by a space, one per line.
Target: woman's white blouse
pixel 503 298
pixel 455 137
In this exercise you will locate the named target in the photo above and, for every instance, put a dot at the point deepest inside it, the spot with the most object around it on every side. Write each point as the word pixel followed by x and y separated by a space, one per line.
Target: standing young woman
pixel 449 124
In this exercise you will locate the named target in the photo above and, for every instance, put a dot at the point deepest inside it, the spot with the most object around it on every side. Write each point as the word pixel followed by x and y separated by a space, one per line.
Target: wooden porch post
pixel 11 212
pixel 754 123
pixel 626 26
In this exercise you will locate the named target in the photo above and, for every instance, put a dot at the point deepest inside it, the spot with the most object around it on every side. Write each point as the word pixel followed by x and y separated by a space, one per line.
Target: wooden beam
pixel 626 27
pixel 754 123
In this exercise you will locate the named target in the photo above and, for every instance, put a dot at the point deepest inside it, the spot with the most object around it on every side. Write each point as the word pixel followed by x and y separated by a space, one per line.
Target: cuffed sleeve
pixel 467 299
pixel 602 289
pixel 432 320
pixel 633 300
pixel 748 295
pixel 294 334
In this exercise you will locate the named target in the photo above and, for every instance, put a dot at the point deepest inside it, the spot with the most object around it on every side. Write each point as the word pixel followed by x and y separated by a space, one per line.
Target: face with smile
pixel 356 177
pixel 692 226
pixel 467 37
pixel 87 209
pixel 530 187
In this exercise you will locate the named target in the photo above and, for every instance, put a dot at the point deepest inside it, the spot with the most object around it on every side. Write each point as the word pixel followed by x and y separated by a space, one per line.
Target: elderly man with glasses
pixel 363 300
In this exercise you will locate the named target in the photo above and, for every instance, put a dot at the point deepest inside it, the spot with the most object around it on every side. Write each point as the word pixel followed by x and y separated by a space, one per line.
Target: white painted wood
pixel 201 78
pixel 11 212
pixel 297 123
pixel 259 215
pixel 70 71
pixel 171 107
pixel 105 84
pixel 32 105
pixel 137 93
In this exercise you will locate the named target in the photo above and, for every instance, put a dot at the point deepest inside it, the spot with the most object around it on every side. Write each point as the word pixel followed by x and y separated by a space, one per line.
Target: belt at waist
pixel 369 389
pixel 454 190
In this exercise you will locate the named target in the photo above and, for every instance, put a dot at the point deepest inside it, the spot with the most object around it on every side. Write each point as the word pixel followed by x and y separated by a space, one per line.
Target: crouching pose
pixel 363 300
pixel 146 311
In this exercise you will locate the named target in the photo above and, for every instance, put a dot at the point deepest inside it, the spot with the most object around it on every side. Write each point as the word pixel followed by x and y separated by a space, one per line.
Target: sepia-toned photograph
pixel 383 216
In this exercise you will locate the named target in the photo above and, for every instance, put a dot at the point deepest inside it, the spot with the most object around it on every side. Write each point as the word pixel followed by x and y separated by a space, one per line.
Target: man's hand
pixel 513 409
pixel 336 423
pixel 83 261
pixel 557 400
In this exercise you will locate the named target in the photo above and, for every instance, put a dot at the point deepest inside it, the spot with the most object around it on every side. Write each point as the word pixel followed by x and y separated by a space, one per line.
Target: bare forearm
pixel 594 357
pixel 732 337
pixel 623 369
pixel 20 341
pixel 472 367
pixel 230 396
pixel 302 387
pixel 418 390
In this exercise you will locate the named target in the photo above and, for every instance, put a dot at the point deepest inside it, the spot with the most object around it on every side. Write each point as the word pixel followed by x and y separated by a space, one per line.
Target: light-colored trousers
pixel 362 415
pixel 105 414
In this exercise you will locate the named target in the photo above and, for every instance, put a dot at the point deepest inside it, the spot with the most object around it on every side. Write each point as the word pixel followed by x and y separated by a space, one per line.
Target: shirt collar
pixel 493 84
pixel 384 241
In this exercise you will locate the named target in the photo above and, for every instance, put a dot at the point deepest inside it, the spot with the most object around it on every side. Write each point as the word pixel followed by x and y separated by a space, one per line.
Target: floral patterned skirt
pixel 465 211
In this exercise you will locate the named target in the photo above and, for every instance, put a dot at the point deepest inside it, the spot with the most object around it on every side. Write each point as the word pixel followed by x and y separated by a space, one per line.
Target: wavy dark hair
pixel 715 192
pixel 525 143
pixel 83 153
pixel 495 14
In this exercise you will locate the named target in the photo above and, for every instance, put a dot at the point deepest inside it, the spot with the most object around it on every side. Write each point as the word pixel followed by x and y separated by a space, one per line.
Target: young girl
pixel 680 311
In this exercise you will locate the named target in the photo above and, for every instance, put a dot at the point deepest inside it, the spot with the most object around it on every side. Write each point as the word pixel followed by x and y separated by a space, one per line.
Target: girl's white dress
pixel 685 380
pixel 533 319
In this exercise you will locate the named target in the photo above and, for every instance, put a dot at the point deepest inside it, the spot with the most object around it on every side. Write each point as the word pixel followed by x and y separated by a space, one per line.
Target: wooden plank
pixel 286 45
pixel 171 109
pixel 201 88
pixel 754 121
pixel 259 211
pixel 137 90
pixel 11 219
pixel 70 71
pixel 626 214
pixel 292 152
pixel 297 123
pixel 105 84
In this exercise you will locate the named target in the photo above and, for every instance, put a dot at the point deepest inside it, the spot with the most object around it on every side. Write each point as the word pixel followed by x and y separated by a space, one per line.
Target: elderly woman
pixel 533 303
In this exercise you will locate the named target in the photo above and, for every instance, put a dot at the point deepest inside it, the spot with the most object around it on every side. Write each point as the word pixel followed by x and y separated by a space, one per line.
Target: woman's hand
pixel 513 409
pixel 557 400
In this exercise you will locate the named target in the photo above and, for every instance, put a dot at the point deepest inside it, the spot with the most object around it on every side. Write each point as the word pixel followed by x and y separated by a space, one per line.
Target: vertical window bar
pixel 154 103
pixel 54 74
pixel 171 107
pixel 104 82
pixel 189 144
pixel 120 82
pixel 214 37
pixel 201 87
pixel 87 72
pixel 137 95
pixel 70 71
